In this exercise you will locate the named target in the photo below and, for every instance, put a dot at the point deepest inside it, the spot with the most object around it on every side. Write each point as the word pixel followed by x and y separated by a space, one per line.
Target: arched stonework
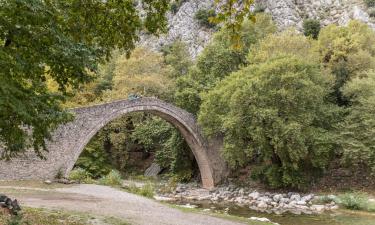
pixel 70 139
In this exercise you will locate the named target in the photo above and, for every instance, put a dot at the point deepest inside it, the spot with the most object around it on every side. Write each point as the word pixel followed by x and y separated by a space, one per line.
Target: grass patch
pixel 37 216
pixel 356 201
pixel 112 179
pixel 31 216
pixel 146 190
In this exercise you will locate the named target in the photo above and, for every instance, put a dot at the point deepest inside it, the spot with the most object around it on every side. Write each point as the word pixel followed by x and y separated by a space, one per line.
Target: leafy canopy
pixel 63 41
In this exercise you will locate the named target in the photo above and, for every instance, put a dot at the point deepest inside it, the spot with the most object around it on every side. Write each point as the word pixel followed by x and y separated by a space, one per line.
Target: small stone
pixel 254 195
pixel 317 208
pixel 277 197
pixel 48 182
pixel 262 205
pixel 295 197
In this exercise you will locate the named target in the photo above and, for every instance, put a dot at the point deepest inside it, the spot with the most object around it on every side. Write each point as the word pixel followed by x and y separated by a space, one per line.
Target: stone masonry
pixel 69 140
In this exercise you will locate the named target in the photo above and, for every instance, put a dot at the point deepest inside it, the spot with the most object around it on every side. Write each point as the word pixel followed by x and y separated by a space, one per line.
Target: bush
pixel 203 17
pixel 311 28
pixel 79 174
pixel 354 201
pixel 370 3
pixel 113 179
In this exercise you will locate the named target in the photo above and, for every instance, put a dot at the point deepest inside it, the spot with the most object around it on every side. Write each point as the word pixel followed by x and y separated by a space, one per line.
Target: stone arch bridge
pixel 69 140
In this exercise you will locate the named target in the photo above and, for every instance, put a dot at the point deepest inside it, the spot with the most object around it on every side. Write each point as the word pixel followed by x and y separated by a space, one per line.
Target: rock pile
pixel 8 205
pixel 277 203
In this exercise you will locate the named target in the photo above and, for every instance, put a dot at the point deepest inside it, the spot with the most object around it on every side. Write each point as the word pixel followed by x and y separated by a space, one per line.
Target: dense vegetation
pixel 297 105
pixel 286 104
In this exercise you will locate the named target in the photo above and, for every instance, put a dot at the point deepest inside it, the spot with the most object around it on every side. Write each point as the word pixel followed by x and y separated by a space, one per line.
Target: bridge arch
pixel 183 121
pixel 69 140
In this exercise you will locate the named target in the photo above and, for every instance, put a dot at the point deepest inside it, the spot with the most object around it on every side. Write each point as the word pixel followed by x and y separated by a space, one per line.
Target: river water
pixel 341 217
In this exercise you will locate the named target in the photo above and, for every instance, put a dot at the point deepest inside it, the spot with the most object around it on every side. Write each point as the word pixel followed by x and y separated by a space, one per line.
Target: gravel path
pixel 107 201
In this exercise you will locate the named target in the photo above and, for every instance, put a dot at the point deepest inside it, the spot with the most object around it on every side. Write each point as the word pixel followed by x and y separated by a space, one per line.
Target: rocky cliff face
pixel 286 13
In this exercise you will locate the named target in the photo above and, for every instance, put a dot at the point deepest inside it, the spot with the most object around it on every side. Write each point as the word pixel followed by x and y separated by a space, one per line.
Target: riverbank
pixel 277 203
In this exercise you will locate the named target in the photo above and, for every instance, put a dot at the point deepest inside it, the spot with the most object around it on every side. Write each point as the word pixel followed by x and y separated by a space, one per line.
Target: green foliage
pixel 144 73
pixel 232 14
pixel 218 60
pixel 346 52
pixel 64 41
pixel 79 174
pixel 94 160
pixel 354 201
pixel 370 3
pixel 177 56
pixel 204 16
pixel 275 113
pixel 286 42
pixel 112 179
pixel 311 28
pixel 356 134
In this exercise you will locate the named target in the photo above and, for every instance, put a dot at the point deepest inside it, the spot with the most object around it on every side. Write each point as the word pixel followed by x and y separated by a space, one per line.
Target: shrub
pixel 354 201
pixel 112 179
pixel 79 174
pixel 203 17
pixel 311 28
pixel 370 3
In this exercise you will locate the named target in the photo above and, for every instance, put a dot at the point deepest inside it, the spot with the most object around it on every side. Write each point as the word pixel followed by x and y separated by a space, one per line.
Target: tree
pixel 346 52
pixel 218 60
pixel 144 73
pixel 311 28
pixel 286 42
pixel 276 114
pixel 65 41
pixel 356 133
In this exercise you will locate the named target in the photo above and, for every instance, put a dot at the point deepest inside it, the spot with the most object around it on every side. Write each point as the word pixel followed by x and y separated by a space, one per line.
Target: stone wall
pixel 70 139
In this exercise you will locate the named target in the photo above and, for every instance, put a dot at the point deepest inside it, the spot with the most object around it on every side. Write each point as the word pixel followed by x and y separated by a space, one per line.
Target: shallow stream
pixel 341 217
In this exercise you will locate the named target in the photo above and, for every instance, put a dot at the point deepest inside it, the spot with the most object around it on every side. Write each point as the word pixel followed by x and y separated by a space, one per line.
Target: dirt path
pixel 107 201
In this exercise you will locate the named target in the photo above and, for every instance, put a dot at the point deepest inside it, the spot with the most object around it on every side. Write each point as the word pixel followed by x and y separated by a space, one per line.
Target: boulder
pixel 153 170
